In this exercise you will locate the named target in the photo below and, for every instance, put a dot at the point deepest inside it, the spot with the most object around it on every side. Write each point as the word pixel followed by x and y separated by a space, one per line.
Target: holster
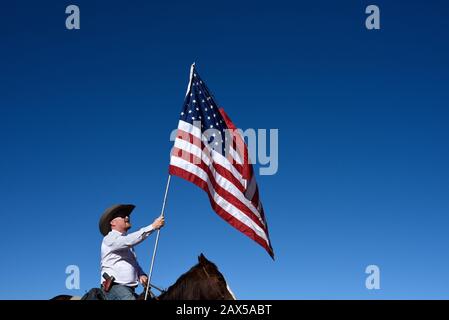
pixel 108 282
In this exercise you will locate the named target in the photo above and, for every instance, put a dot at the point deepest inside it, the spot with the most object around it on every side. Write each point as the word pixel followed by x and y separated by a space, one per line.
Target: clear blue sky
pixel 85 118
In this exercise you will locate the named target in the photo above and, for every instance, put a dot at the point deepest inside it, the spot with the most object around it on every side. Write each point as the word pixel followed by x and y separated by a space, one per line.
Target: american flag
pixel 210 152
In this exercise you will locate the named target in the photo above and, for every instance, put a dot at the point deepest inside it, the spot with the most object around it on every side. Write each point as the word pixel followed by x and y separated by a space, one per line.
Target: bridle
pixel 208 277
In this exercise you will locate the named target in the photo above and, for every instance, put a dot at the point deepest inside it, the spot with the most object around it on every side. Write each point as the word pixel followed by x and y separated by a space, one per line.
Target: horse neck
pixel 191 286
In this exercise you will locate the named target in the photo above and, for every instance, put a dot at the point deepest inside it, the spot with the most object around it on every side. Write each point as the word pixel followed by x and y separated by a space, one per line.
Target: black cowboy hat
pixel 118 210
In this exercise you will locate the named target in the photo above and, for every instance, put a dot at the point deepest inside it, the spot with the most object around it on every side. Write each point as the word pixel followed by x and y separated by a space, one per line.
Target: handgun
pixel 107 283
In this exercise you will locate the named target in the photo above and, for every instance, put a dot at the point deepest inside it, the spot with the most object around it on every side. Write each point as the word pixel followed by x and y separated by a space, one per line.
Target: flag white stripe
pixel 187 127
pixel 235 155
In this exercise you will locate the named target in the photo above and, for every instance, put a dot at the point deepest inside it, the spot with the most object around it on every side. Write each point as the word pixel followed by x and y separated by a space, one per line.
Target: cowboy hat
pixel 117 210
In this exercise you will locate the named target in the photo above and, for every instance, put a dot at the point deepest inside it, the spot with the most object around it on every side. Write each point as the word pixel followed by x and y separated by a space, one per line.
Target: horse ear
pixel 202 259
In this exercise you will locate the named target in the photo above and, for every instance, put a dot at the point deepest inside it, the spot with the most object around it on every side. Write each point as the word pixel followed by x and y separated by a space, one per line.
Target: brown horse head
pixel 202 282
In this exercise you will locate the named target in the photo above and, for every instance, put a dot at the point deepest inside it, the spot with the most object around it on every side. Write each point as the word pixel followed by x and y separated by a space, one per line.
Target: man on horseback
pixel 118 259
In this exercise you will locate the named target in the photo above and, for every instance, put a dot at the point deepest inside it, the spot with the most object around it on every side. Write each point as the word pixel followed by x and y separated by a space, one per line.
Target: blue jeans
pixel 120 292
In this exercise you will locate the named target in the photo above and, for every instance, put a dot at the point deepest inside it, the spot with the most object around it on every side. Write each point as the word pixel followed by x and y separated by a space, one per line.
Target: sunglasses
pixel 123 216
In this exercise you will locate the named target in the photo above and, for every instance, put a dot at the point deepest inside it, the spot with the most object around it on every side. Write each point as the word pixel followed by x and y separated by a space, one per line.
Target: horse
pixel 202 282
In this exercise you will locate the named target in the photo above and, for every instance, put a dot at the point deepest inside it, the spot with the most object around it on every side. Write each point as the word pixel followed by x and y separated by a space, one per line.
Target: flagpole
pixel 157 238
pixel 192 68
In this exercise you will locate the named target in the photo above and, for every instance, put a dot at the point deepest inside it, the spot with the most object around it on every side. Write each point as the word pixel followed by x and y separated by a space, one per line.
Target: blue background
pixel 85 118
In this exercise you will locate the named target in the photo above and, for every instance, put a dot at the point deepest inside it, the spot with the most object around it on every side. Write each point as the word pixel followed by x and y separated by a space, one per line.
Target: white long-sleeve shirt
pixel 118 258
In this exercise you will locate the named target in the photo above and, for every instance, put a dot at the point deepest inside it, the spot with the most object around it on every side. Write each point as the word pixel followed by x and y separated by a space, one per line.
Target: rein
pixel 158 289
